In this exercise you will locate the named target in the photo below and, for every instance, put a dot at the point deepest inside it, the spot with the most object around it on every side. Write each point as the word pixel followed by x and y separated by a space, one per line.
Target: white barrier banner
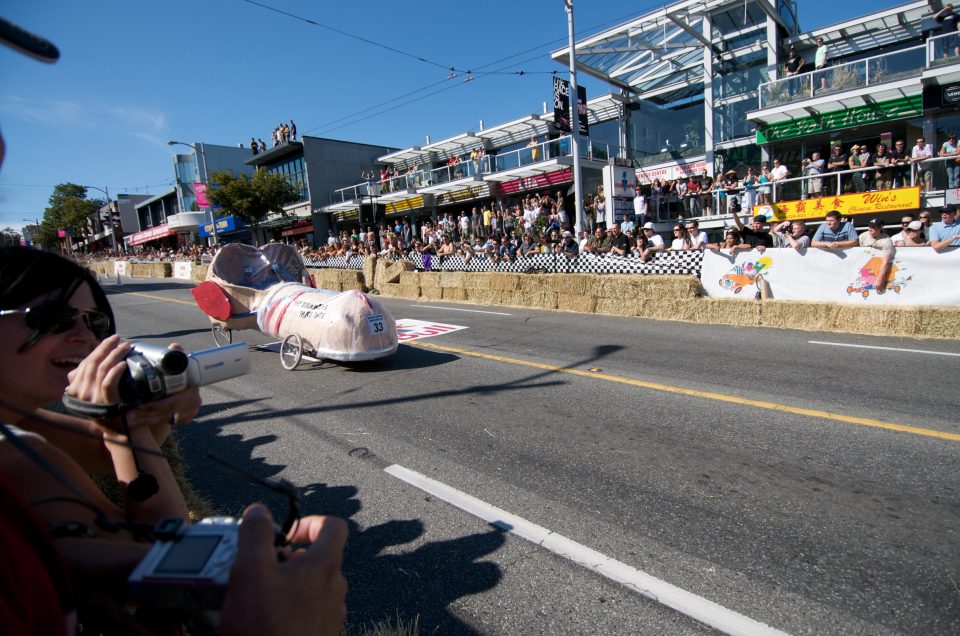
pixel 917 276
pixel 181 269
pixel 120 268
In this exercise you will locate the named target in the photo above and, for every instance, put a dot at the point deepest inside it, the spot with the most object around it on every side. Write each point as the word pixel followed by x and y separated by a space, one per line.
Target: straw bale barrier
pixel 338 279
pixel 369 271
pixel 655 297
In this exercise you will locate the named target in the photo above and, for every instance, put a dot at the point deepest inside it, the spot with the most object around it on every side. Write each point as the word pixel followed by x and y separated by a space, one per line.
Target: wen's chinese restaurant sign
pixel 901 199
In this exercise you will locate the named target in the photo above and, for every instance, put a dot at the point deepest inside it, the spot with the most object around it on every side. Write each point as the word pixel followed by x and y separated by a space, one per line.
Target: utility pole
pixel 575 123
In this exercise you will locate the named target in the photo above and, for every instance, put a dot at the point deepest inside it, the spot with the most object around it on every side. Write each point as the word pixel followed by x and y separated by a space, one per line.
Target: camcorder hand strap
pixel 144 485
pixel 82 408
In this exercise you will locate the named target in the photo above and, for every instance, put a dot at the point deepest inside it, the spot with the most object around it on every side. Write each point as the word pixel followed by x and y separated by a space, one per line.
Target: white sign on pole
pixel 619 186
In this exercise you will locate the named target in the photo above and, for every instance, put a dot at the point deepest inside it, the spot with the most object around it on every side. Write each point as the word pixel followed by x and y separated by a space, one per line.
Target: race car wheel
pixel 222 335
pixel 291 350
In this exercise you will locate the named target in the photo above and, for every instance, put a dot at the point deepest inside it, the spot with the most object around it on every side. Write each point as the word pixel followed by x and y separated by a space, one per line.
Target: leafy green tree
pixel 252 199
pixel 68 207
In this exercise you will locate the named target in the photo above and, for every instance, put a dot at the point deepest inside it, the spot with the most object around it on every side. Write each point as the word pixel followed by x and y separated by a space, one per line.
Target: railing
pixel 870 71
pixel 943 49
pixel 462 170
pixel 715 202
pixel 543 151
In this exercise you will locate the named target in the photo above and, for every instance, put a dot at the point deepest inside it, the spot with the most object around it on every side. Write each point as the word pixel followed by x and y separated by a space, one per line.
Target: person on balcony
pixel 793 67
pixel 778 174
pixel 813 168
pixel 837 163
pixel 948 21
pixel 918 154
pixel 900 161
pixel 750 185
pixel 820 62
pixel 949 149
pixel 883 160
pixel 859 159
pixel 693 192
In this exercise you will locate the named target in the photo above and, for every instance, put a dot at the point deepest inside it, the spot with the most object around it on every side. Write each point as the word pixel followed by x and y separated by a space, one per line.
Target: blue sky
pixel 133 75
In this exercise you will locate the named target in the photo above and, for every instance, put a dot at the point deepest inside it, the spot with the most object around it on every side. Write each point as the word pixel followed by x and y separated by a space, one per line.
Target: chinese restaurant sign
pixel 897 200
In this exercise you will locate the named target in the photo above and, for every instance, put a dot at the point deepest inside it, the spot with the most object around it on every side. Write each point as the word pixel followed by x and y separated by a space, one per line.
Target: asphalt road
pixel 809 487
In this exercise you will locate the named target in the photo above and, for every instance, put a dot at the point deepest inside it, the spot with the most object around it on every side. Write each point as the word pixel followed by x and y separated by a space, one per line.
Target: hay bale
pixel 485 296
pixel 409 291
pixel 582 303
pixel 531 283
pixel 613 307
pixel 369 271
pixel 504 281
pixel 352 279
pixel 574 284
pixel 939 322
pixel 880 320
pixel 394 270
pixel 380 271
pixel 410 278
pixel 430 279
pixel 453 294
pixel 391 289
pixel 540 299
pixel 431 293
pixel 801 315
pixel 476 280
pixel 199 272
pixel 451 279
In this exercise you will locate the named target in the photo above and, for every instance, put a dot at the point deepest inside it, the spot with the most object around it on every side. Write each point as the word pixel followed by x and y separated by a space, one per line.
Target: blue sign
pixel 224 225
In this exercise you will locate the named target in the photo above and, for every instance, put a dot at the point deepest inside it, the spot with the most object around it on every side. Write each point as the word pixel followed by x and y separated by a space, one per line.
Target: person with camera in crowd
pixel 60 337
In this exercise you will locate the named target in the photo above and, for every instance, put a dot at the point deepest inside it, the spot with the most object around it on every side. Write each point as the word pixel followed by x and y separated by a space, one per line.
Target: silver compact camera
pixel 155 372
pixel 188 567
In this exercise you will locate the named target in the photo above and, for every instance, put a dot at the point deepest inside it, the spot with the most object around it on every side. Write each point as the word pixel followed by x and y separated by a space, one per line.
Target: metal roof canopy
pixel 515 131
pixel 662 49
pixel 897 25
pixel 413 156
pixel 456 145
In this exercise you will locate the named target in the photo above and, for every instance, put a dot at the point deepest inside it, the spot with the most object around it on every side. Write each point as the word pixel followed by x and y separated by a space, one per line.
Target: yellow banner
pixel 901 199
pixel 403 206
pixel 348 215
pixel 464 195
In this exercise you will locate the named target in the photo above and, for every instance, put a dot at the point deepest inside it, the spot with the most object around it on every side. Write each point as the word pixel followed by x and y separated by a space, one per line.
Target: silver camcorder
pixel 155 372
pixel 188 567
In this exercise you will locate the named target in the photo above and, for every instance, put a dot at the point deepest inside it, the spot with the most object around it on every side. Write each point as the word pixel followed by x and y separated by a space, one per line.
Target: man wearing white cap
pixel 568 246
pixel 654 242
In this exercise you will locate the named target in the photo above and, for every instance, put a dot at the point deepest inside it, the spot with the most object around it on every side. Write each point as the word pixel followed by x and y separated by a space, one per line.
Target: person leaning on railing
pixel 949 149
pixel 833 234
pixel 946 233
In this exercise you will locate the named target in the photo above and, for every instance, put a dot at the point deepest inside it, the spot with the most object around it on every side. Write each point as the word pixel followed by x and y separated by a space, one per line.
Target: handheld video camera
pixel 155 372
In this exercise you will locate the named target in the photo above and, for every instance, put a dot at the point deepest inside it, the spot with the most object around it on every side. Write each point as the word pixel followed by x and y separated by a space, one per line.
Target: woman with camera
pixel 59 334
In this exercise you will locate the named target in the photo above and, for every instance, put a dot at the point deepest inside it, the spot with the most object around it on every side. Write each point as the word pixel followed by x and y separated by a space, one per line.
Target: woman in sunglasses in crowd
pixel 59 333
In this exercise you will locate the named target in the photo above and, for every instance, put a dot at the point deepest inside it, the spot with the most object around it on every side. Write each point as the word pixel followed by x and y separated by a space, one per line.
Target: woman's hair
pixel 27 273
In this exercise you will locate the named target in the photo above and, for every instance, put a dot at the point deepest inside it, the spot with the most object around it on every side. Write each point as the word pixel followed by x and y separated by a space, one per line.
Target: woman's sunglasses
pixel 59 317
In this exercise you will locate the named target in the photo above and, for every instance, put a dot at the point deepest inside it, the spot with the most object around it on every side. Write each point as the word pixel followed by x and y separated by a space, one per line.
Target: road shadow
pixel 168 335
pixel 110 285
pixel 388 583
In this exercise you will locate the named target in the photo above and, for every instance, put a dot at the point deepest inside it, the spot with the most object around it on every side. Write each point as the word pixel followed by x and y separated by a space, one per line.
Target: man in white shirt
pixel 654 242
pixel 779 173
pixel 920 152
pixel 640 207
pixel 698 239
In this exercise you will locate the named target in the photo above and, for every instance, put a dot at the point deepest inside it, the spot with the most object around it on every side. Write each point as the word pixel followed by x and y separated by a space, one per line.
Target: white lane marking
pixel 858 346
pixel 472 311
pixel 687 603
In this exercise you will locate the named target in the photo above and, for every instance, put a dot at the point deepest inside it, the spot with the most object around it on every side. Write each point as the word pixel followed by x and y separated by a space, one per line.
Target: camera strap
pixel 83 408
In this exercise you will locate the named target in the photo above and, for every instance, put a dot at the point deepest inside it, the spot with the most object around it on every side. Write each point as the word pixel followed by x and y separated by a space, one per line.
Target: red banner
pixel 537 181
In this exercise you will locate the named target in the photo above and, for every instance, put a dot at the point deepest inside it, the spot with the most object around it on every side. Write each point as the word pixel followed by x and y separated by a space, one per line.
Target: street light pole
pixel 36 234
pixel 575 122
pixel 205 180
pixel 113 234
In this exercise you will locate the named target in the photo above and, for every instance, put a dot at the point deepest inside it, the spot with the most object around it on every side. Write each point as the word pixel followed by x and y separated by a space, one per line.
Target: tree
pixel 9 236
pixel 252 199
pixel 68 207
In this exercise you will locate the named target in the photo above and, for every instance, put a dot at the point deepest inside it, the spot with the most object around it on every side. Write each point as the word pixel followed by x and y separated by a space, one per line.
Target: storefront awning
pixel 152 234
